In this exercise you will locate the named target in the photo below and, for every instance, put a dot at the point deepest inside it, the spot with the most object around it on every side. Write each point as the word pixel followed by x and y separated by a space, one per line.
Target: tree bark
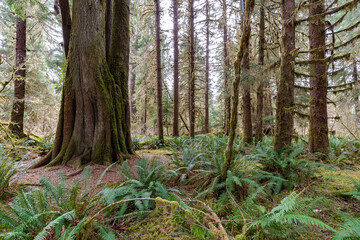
pixel 260 90
pixel 207 67
pixel 246 99
pixel 66 24
pixel 192 69
pixel 227 93
pixel 108 27
pixel 132 81
pixel 356 94
pixel 119 62
pixel 318 127
pixel 158 71
pixel 285 97
pixel 176 70
pixel 16 125
pixel 244 44
pixel 92 113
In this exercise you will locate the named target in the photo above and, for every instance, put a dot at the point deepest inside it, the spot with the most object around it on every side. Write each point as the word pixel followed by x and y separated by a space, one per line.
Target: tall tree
pixel 192 69
pixel 226 69
pixel 65 23
pixel 260 89
pixel 93 108
pixel 246 97
pixel 318 127
pixel 244 44
pixel 158 72
pixel 207 67
pixel 176 70
pixel 16 125
pixel 285 96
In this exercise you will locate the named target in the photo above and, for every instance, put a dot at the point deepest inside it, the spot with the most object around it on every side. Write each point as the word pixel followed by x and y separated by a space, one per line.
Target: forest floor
pixel 328 187
pixel 31 177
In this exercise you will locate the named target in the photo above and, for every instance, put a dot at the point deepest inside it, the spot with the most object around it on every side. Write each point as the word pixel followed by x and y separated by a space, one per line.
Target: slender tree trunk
pixel 91 119
pixel 176 71
pixel 159 77
pixel 66 24
pixel 108 27
pixel 207 79
pixel 192 69
pixel 356 94
pixel 16 125
pixel 318 127
pixel 260 90
pixel 226 71
pixel 244 44
pixel 285 97
pixel 246 99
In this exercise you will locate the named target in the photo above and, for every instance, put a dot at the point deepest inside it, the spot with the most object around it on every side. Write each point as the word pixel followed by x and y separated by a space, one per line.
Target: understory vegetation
pixel 266 195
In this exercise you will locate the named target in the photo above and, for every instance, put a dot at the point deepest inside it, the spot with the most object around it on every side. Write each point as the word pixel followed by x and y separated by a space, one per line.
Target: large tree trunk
pixel 192 69
pixel 260 90
pixel 285 97
pixel 176 70
pixel 66 24
pixel 244 45
pixel 119 62
pixel 158 71
pixel 108 28
pixel 227 93
pixel 246 97
pixel 207 63
pixel 16 125
pixel 93 110
pixel 318 127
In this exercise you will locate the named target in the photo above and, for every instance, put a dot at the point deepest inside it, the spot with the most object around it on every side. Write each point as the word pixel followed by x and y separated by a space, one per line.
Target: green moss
pixel 161 151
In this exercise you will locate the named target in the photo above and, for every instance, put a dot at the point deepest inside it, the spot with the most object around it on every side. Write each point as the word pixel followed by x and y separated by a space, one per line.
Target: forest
pixel 179 119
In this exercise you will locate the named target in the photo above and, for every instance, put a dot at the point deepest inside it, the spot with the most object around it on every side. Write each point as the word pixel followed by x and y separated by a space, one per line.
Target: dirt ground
pixel 32 176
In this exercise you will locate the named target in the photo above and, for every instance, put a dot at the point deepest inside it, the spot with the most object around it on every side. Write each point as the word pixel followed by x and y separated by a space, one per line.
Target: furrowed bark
pixel 192 69
pixel 285 97
pixel 92 113
pixel 260 90
pixel 318 127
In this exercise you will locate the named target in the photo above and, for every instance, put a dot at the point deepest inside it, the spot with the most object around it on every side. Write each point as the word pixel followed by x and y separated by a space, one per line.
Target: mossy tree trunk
pixel 192 69
pixel 244 44
pixel 16 125
pixel 158 73
pixel 285 96
pixel 93 121
pixel 227 92
pixel 260 89
pixel 246 96
pixel 318 127
pixel 207 67
pixel 176 70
